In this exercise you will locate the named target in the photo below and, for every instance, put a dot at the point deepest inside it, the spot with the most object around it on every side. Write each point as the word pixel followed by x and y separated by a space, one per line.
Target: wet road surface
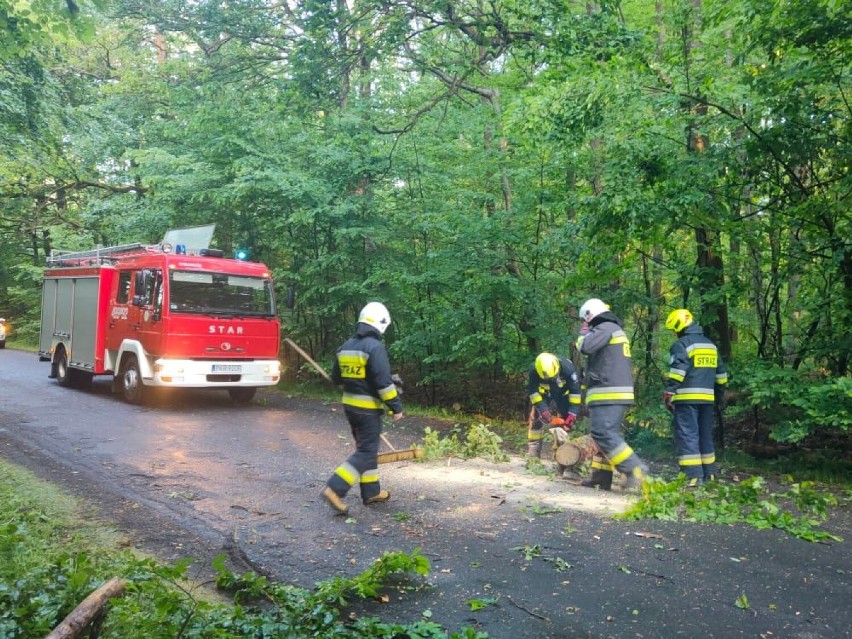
pixel 195 475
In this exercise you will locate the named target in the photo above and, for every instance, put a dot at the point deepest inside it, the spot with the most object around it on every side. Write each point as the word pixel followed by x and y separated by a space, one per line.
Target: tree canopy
pixel 480 167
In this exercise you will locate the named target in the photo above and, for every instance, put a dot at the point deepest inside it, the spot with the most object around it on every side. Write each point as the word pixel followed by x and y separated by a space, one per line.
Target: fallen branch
pixel 639 571
pixel 89 609
pixel 526 610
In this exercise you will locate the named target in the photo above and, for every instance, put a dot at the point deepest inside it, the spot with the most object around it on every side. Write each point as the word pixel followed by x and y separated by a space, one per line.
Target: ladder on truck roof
pixel 92 256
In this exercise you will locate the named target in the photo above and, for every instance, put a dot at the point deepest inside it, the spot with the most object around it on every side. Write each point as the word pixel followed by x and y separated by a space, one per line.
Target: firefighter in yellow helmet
pixel 363 369
pixel 609 392
pixel 552 383
pixel 696 375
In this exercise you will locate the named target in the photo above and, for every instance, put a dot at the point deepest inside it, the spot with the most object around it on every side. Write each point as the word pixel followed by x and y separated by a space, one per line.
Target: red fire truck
pixel 160 316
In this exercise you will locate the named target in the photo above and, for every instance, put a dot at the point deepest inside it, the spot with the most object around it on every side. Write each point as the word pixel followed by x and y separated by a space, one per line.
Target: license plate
pixel 227 368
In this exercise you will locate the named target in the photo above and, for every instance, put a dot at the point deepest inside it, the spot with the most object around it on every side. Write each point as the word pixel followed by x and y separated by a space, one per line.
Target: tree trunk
pixel 342 44
pixel 711 276
pixel 88 611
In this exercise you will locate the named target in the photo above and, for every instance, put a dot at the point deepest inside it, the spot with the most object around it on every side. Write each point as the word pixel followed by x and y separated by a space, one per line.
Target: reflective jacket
pixel 564 389
pixel 363 369
pixel 695 368
pixel 608 377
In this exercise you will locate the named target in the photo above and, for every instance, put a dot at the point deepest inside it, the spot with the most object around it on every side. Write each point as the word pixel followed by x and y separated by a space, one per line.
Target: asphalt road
pixel 194 475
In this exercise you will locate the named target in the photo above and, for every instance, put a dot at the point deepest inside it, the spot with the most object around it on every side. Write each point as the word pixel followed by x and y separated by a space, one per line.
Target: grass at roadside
pixel 40 523
pixel 21 346
pixel 54 552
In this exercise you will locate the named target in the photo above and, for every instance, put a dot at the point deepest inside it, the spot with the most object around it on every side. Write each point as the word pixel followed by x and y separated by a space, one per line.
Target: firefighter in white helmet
pixel 363 369
pixel 608 379
pixel 552 382
pixel 696 376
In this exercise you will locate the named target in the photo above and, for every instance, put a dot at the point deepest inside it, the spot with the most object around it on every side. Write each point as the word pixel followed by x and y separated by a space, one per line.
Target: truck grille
pixel 223 378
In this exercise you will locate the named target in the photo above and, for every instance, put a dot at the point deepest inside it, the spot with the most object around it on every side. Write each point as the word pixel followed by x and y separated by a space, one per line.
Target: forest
pixel 482 167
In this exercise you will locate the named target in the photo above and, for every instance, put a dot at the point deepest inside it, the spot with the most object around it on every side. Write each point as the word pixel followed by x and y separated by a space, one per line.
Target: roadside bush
pixel 793 405
pixel 23 303
pixel 478 441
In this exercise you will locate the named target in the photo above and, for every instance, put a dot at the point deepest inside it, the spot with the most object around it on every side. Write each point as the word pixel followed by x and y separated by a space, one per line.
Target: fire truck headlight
pixel 168 369
pixel 272 369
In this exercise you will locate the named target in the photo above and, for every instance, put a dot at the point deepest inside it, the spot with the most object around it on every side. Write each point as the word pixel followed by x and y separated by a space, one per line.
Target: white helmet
pixel 376 315
pixel 592 308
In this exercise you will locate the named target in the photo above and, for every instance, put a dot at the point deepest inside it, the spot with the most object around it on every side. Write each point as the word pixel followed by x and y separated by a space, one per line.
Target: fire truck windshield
pixel 207 293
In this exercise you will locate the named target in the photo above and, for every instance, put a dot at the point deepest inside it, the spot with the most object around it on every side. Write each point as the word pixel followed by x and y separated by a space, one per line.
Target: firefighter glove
pixel 569 421
pixel 397 381
pixel 667 399
pixel 545 415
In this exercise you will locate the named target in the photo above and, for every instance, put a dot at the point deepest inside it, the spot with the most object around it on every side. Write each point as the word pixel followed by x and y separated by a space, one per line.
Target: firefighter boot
pixel 534 448
pixel 383 496
pixel 334 500
pixel 600 479
pixel 633 483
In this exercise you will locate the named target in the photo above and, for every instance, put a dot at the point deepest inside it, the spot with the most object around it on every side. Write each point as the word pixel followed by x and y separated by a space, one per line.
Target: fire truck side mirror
pixel 141 286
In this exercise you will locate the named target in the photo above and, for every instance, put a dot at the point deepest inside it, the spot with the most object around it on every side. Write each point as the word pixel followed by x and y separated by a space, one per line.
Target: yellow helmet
pixel 678 320
pixel 547 365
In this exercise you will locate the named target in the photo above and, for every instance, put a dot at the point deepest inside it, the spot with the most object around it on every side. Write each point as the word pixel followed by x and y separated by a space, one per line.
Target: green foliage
pixel 478 441
pixel 798 511
pixel 41 22
pixel 479 604
pixel 156 604
pixel 481 177
pixel 797 404
pixel 368 583
pixel 529 552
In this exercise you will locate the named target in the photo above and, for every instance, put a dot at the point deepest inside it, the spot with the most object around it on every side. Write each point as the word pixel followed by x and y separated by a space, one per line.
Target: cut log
pixel 74 624
pixel 399 455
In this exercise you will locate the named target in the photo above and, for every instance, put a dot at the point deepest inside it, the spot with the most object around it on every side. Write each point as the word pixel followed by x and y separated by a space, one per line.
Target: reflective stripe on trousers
pixel 360 467
pixel 693 435
pixel 606 431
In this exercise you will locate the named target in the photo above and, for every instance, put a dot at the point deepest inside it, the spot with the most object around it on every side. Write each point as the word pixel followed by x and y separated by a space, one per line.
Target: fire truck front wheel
pixel 131 381
pixel 242 394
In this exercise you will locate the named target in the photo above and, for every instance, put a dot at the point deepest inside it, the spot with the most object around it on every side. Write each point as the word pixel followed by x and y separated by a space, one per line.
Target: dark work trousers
pixel 606 431
pixel 361 466
pixel 693 435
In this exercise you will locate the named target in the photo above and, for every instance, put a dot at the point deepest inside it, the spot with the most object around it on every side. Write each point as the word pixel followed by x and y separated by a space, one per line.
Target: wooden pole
pixel 397 455
pixel 308 359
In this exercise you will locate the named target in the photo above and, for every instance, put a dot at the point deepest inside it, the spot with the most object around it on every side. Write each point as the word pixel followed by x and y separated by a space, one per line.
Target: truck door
pixel 136 310
pixel 120 311
pixel 148 303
